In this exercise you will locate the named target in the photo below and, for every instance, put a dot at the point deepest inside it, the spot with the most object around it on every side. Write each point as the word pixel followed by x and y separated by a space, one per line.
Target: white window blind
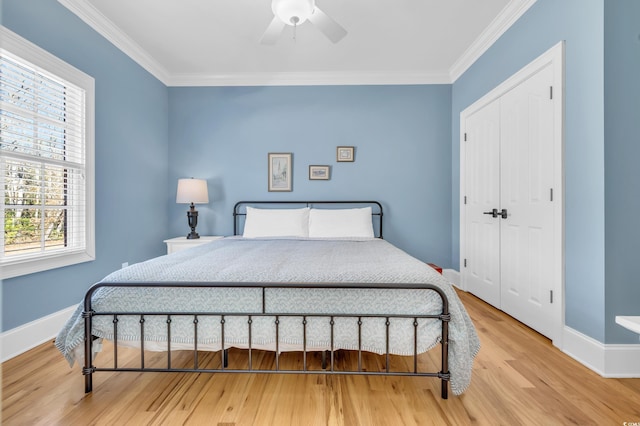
pixel 45 167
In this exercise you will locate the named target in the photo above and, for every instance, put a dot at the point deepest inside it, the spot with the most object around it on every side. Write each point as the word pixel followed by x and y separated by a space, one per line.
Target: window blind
pixel 42 163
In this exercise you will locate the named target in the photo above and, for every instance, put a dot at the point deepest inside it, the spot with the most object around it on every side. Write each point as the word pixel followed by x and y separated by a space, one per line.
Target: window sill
pixel 31 266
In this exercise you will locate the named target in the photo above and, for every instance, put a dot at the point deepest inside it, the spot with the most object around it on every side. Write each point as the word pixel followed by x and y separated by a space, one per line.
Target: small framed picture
pixel 318 172
pixel 280 172
pixel 345 153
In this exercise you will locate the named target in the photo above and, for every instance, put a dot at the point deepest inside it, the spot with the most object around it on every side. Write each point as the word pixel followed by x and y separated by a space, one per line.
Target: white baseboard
pixel 20 339
pixel 452 276
pixel 619 361
pixel 584 349
pixel 614 360
pixel 622 361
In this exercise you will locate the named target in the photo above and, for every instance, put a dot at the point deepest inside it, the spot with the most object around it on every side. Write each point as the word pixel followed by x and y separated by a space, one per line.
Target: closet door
pixel 511 158
pixel 482 181
pixel 509 212
pixel 527 170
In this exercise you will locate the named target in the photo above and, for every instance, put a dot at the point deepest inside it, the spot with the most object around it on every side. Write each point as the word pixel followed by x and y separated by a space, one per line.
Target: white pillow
pixel 276 223
pixel 342 223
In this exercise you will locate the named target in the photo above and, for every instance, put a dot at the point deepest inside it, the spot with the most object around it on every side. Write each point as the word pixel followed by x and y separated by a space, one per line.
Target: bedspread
pixel 284 261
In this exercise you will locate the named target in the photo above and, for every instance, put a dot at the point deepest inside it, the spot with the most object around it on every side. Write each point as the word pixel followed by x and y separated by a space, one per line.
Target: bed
pixel 297 277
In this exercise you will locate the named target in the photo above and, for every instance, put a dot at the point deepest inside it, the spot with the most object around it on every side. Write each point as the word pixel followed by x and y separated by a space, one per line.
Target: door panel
pixel 483 186
pixel 526 148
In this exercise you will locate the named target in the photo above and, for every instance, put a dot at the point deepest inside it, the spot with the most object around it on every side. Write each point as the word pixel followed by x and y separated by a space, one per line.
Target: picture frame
pixel 319 172
pixel 345 154
pixel 280 168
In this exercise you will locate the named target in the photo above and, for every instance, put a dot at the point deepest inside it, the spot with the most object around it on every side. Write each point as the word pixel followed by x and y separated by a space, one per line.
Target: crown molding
pixel 505 19
pixel 309 79
pixel 100 23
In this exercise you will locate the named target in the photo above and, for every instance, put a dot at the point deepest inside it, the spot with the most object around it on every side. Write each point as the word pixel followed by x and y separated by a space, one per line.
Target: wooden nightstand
pixel 181 243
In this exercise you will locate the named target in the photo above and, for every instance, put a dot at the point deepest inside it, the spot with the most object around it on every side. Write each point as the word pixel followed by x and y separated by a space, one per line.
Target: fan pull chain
pixel 294 21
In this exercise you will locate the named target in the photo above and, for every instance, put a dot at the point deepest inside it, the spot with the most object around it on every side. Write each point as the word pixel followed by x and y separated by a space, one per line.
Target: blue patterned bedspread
pixel 287 261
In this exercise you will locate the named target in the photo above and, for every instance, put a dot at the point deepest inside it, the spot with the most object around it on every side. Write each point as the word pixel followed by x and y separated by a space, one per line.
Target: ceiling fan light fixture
pixel 293 12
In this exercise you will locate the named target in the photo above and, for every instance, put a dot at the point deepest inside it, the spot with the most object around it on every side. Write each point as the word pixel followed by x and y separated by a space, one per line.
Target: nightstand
pixel 181 243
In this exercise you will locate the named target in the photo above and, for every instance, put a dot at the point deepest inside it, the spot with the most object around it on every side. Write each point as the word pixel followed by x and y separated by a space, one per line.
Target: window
pixel 46 160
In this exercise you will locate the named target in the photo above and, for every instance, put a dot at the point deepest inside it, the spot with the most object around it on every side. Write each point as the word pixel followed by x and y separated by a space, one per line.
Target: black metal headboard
pixel 239 210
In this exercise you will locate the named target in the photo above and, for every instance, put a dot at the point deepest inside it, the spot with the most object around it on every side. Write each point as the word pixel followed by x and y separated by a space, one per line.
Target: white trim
pixel 20 339
pixel 629 322
pixel 452 276
pixel 96 20
pixel 620 361
pixel 309 78
pixel 553 57
pixel 15 45
pixel 507 17
pixel 584 349
pixel 45 263
pixel 103 26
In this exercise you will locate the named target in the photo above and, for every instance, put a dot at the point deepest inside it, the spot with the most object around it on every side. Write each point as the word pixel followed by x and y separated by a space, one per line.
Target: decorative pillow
pixel 276 223
pixel 341 223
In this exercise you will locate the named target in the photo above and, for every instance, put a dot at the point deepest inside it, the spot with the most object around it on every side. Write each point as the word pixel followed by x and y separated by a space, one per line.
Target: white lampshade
pixel 192 191
pixel 285 10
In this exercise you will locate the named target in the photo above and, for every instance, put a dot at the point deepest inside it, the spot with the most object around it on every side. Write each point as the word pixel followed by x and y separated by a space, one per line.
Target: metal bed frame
pixel 328 368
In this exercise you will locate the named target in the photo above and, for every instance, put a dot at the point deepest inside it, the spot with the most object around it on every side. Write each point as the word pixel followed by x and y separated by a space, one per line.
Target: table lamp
pixel 192 191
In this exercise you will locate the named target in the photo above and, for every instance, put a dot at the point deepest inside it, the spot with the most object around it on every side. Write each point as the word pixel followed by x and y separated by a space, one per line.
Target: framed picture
pixel 280 172
pixel 318 172
pixel 345 153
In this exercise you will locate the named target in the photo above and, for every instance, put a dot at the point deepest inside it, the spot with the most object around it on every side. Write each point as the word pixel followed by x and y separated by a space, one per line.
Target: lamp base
pixel 192 217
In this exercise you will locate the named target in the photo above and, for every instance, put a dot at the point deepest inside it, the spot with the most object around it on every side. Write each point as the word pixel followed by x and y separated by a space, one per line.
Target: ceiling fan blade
pixel 327 25
pixel 273 31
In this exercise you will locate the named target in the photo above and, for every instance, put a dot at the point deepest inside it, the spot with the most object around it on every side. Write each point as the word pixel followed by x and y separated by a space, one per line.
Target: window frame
pixel 17 47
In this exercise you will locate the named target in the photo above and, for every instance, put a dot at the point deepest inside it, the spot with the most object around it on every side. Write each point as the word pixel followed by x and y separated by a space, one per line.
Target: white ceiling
pixel 217 42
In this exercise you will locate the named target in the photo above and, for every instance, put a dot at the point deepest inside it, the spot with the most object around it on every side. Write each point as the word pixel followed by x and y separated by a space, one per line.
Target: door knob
pixel 493 213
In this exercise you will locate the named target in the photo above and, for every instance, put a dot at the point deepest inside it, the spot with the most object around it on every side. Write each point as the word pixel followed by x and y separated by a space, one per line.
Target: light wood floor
pixel 519 378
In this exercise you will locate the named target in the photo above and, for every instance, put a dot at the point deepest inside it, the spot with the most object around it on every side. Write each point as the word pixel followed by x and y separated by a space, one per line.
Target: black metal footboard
pixel 194 317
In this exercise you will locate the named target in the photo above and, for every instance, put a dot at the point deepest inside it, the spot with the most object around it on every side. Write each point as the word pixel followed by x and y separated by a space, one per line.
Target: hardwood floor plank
pixel 519 378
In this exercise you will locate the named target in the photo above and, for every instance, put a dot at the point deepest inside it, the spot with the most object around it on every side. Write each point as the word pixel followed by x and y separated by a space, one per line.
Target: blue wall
pixel 401 136
pixel 580 24
pixel 602 68
pixel 131 159
pixel 407 152
pixel 622 174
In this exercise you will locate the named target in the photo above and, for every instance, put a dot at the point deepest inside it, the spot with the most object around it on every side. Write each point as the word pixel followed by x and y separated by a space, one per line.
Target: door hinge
pixel 550 194
pixel 550 296
pixel 550 92
pixel 465 263
pixel 465 199
pixel 465 136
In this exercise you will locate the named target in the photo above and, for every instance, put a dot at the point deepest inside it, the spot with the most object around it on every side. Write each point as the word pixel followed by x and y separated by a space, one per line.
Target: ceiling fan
pixel 297 12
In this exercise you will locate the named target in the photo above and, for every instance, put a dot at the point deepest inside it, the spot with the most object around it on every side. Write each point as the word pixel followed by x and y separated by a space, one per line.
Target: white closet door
pixel 511 160
pixel 482 233
pixel 527 174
